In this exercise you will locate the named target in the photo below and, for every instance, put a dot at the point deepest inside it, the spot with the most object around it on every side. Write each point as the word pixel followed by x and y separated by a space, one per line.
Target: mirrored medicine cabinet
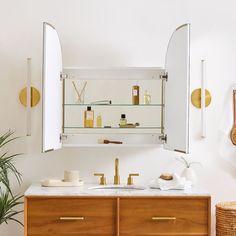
pixel 68 92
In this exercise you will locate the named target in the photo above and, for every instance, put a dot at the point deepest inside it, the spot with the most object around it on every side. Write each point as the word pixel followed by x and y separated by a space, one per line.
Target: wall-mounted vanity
pixel 80 211
pixel 164 121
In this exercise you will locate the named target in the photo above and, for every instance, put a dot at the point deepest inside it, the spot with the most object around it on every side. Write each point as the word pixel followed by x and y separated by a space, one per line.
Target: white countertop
pixel 37 190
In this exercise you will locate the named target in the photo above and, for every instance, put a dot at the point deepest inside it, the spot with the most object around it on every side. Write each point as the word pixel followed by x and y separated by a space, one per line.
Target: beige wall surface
pixel 120 33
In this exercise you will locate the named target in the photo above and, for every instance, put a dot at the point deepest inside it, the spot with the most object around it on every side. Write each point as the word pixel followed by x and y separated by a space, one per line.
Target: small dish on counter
pixel 60 183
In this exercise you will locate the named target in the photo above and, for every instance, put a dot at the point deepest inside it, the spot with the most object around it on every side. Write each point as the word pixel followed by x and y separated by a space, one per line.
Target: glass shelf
pixel 119 105
pixel 113 130
pixel 79 127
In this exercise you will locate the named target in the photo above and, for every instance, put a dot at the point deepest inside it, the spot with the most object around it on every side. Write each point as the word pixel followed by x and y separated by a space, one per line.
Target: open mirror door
pixel 176 98
pixel 52 89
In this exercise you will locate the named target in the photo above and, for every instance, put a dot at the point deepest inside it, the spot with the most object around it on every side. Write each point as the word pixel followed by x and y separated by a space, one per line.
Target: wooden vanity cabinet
pixel 120 216
pixel 70 216
pixel 164 216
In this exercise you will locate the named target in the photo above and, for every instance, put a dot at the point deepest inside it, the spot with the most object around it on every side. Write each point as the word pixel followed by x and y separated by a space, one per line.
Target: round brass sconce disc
pixel 196 98
pixel 35 96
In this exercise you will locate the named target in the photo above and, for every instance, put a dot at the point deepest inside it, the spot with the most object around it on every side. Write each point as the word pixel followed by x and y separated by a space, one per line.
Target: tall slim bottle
pixel 89 118
pixel 135 95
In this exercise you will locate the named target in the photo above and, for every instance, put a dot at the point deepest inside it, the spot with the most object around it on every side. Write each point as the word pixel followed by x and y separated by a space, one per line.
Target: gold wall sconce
pixel 29 97
pixel 201 98
pixel 196 98
pixel 34 96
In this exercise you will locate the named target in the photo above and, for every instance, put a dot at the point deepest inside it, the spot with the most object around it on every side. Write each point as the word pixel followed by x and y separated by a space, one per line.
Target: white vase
pixel 190 175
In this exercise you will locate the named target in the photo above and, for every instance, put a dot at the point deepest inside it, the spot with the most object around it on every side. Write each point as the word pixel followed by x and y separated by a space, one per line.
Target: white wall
pixel 119 33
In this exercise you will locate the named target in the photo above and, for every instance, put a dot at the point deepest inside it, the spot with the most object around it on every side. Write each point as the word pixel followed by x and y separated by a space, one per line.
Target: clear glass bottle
pixel 146 98
pixel 99 120
pixel 89 118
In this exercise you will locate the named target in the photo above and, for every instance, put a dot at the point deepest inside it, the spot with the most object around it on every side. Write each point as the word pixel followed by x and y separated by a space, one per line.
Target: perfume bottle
pixel 146 98
pixel 99 120
pixel 135 95
pixel 88 118
pixel 123 120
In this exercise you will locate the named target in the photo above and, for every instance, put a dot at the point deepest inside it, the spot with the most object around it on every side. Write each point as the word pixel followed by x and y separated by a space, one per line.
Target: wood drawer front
pixel 43 216
pixel 136 217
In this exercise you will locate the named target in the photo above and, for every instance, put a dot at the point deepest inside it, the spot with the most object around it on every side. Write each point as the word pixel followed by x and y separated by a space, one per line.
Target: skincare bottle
pixel 135 95
pixel 88 118
pixel 146 98
pixel 99 120
pixel 123 120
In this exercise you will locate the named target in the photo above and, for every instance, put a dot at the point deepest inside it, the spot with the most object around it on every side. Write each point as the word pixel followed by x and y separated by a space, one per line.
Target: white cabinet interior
pixel 165 119
pixel 114 84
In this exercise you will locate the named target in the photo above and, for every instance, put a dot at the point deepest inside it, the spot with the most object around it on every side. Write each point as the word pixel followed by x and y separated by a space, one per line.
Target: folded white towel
pixel 176 183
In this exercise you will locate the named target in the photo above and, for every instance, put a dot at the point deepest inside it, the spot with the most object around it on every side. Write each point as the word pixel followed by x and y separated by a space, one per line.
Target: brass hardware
pixel 176 150
pixel 102 179
pixel 164 77
pixel 35 96
pixel 72 218
pixel 196 98
pixel 163 138
pixel 130 180
pixel 63 76
pixel 117 177
pixel 63 137
pixel 63 105
pixel 181 26
pixel 164 218
pixel 49 150
pixel 162 106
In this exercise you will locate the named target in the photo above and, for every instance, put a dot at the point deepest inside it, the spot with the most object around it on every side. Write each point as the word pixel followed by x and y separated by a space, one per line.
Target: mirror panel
pixel 52 89
pixel 176 99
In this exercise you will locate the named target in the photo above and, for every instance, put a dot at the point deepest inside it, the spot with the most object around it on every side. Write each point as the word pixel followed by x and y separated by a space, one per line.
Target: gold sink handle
pixel 102 179
pixel 130 180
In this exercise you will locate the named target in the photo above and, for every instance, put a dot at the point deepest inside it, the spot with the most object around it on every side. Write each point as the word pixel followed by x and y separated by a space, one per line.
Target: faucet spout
pixel 117 167
pixel 116 177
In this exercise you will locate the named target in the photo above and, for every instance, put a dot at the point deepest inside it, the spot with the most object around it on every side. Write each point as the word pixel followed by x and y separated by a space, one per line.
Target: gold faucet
pixel 117 177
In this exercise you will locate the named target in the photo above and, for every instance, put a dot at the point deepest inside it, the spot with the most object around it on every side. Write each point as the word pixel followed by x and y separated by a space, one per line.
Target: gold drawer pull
pixel 72 218
pixel 164 218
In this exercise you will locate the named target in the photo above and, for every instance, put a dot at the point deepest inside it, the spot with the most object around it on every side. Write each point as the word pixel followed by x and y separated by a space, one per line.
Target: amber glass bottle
pixel 135 95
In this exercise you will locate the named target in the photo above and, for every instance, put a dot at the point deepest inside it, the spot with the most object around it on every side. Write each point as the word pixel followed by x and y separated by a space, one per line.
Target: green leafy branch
pixel 7 205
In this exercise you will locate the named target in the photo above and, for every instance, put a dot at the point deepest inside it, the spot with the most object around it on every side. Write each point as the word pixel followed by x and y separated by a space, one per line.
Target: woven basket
pixel 226 219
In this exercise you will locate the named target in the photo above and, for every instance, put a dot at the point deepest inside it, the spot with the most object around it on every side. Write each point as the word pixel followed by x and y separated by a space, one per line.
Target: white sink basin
pixel 117 187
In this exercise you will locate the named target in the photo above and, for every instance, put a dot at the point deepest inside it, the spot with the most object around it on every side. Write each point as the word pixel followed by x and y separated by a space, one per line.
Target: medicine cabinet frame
pixel 175 79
